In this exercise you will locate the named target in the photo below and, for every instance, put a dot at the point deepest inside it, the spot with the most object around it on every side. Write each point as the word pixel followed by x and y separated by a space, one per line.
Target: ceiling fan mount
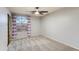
pixel 37 7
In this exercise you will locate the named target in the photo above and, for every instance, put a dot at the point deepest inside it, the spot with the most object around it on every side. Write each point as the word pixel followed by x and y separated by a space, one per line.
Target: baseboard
pixel 49 37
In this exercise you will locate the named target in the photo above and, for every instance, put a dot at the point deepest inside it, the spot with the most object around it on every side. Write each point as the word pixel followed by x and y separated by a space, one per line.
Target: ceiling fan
pixel 38 12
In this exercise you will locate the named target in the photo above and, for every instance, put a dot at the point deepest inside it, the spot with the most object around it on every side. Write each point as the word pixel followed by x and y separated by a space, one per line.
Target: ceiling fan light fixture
pixel 37 13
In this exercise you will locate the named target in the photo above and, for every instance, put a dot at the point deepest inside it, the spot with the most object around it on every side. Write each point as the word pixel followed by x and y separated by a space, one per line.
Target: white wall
pixel 35 27
pixel 62 26
pixel 3 28
pixel 35 21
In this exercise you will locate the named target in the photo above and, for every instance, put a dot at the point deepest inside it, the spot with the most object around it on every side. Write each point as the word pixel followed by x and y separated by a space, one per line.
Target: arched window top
pixel 21 19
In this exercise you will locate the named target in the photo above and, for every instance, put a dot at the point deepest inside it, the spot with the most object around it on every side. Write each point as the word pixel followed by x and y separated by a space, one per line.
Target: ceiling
pixel 26 10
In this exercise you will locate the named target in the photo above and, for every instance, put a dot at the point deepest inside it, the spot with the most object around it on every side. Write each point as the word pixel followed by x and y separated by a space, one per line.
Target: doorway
pixel 9 18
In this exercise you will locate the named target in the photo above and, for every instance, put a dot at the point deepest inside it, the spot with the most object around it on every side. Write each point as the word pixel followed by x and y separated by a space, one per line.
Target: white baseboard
pixel 65 43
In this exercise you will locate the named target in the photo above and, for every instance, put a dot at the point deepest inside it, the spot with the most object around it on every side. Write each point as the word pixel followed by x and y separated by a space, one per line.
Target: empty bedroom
pixel 39 28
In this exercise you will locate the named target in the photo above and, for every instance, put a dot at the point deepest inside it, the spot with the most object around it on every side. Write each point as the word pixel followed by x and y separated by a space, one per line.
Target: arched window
pixel 21 23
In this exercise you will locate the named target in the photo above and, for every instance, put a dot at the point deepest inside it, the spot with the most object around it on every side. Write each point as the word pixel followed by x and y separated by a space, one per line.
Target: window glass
pixel 21 19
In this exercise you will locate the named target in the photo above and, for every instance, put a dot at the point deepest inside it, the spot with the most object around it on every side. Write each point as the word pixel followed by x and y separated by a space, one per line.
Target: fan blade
pixel 43 11
pixel 33 12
